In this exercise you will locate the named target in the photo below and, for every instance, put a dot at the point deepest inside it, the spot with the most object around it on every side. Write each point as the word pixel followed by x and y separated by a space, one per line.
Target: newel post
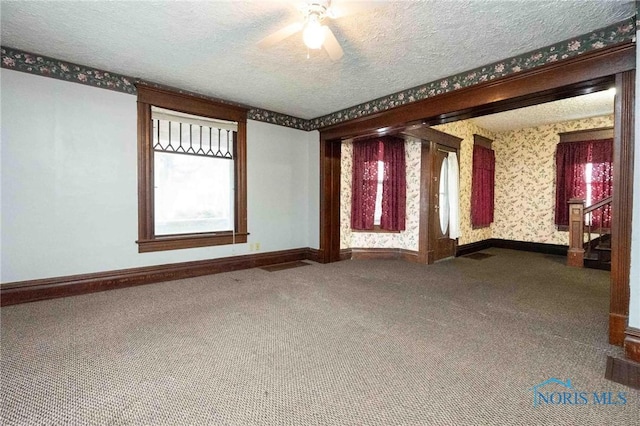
pixel 575 255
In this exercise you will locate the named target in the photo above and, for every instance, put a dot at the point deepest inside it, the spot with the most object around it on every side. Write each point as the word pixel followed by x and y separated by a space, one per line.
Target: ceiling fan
pixel 314 34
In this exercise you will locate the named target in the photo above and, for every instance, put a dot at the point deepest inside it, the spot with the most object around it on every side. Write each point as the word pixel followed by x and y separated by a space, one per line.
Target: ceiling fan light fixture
pixel 313 34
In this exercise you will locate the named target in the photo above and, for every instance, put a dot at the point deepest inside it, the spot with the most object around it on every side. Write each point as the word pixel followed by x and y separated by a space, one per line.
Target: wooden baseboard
pixel 465 249
pixel 623 371
pixel 314 255
pixel 345 254
pixel 632 344
pixel 384 253
pixel 51 288
pixel 556 249
pixel 617 326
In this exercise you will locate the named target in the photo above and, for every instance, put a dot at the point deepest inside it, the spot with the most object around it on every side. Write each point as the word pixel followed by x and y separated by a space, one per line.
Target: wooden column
pixel 329 200
pixel 575 255
pixel 621 207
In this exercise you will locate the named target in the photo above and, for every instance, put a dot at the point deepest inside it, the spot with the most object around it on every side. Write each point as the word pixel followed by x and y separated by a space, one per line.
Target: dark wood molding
pixel 425 134
pixel 554 249
pixel 330 151
pixel 623 371
pixel 425 245
pixel 147 240
pixel 473 247
pixel 313 254
pixel 345 254
pixel 383 253
pixel 621 206
pixel 632 343
pixel 190 104
pixel 579 75
pixel 587 135
pixel 190 241
pixel 482 141
pixel 51 288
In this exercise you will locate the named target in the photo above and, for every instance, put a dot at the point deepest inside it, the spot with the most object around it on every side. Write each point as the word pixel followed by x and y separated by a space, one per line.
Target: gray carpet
pixel 460 342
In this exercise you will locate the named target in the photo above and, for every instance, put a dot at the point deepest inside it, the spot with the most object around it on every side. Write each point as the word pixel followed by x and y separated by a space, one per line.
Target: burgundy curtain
pixel 364 183
pixel 482 186
pixel 601 159
pixel 394 185
pixel 571 181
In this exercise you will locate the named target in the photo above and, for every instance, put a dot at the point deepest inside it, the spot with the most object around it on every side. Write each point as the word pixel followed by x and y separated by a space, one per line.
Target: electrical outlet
pixel 257 246
pixel 252 247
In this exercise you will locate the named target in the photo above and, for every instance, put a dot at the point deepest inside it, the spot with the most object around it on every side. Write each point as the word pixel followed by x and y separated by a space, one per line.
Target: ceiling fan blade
pixel 280 35
pixel 331 45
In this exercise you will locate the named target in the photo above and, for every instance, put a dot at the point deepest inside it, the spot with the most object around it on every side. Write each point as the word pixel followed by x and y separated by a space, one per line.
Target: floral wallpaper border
pixel 45 66
pixel 620 32
pixel 614 34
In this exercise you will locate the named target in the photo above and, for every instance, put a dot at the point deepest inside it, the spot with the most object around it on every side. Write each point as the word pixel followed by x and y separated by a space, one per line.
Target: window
pixel 584 170
pixel 377 215
pixel 482 182
pixel 378 199
pixel 192 172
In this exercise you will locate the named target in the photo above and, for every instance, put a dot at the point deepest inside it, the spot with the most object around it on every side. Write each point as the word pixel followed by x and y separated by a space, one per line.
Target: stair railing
pixel 588 212
pixel 577 213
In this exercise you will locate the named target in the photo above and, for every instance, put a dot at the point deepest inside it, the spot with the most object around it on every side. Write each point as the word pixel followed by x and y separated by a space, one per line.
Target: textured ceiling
pixel 592 105
pixel 211 47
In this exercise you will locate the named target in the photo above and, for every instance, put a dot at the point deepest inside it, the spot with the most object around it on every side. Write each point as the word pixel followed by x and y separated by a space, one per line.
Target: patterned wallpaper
pixel 524 193
pixel 465 130
pixel 407 239
pixel 525 181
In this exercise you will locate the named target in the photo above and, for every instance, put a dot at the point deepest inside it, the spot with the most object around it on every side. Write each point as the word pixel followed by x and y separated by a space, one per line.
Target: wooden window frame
pixel 581 136
pixel 147 240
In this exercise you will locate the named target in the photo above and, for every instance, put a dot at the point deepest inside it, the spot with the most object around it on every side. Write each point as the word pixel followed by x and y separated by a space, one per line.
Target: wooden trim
pixel 586 135
pixel 51 288
pixel 426 133
pixel 623 371
pixel 190 104
pixel 473 247
pixel 621 206
pixel 330 151
pixel 145 172
pixel 190 241
pixel 575 254
pixel 580 75
pixel 384 253
pixel 425 246
pixel 632 343
pixel 597 205
pixel 482 141
pixel 313 254
pixel 345 254
pixel 147 240
pixel 554 249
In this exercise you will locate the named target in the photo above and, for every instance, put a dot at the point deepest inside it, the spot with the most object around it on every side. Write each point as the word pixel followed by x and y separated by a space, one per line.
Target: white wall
pixel 69 183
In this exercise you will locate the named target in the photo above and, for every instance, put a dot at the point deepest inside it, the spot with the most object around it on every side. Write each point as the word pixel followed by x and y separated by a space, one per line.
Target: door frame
pixel 587 73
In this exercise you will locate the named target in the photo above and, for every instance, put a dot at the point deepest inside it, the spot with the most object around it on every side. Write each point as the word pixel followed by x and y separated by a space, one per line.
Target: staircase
pixel 596 252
